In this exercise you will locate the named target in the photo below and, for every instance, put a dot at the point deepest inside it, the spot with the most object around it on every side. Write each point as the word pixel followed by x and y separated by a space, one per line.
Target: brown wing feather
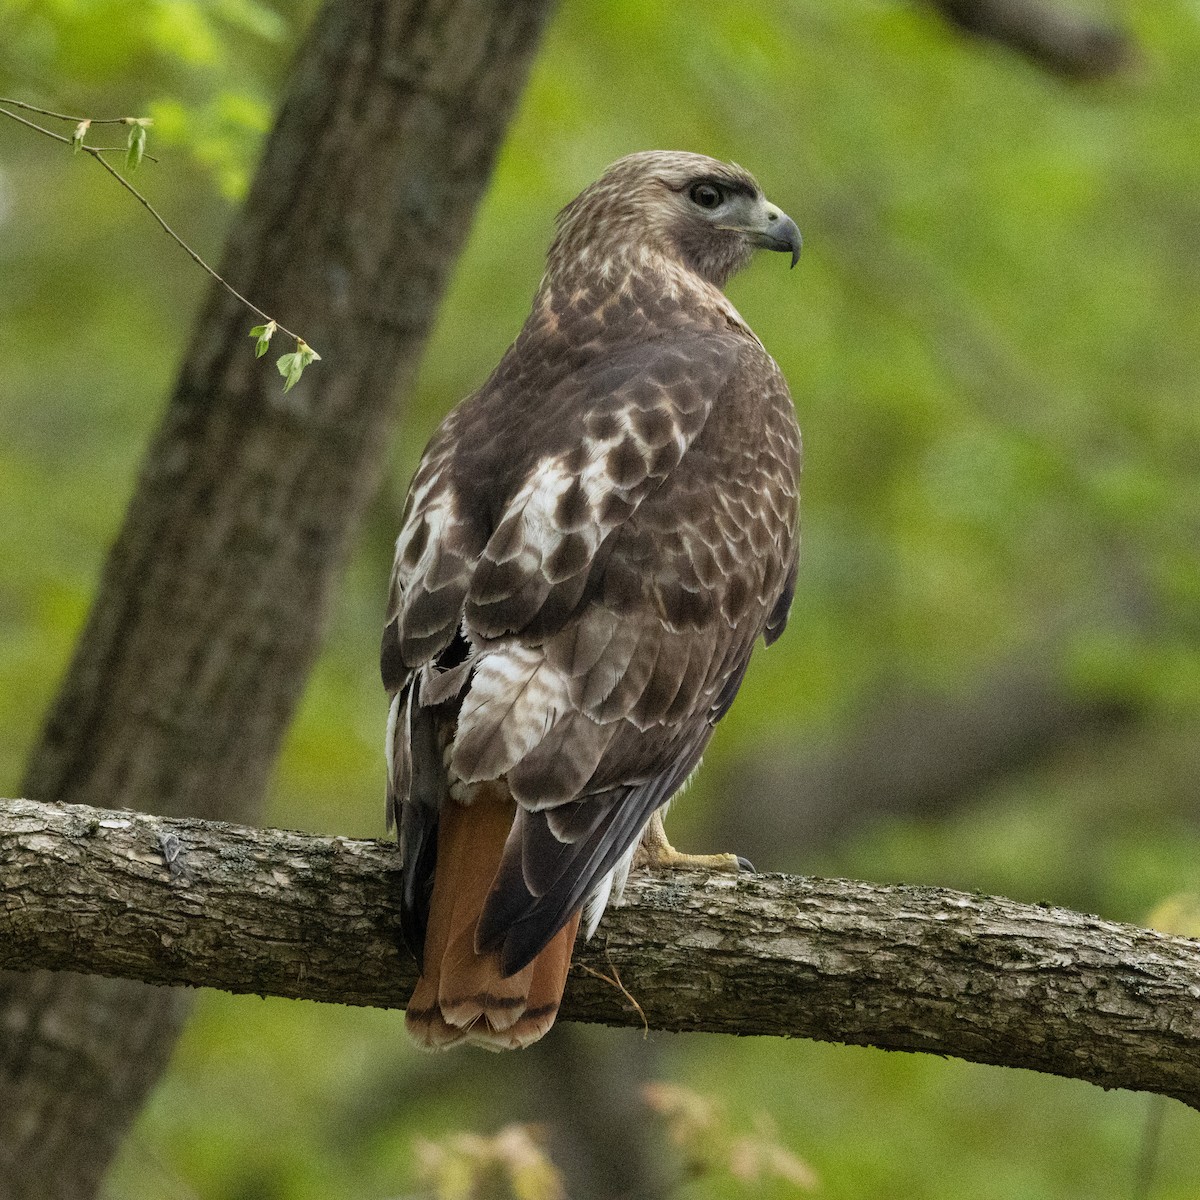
pixel 675 652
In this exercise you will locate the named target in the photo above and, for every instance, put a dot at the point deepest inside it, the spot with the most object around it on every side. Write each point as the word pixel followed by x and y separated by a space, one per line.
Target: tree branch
pixel 1062 42
pixel 914 753
pixel 273 912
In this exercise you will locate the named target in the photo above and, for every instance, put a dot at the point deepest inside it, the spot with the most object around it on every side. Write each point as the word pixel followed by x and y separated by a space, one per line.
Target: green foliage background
pixel 992 341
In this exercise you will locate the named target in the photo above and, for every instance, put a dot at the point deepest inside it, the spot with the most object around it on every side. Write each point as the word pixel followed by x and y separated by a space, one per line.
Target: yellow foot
pixel 657 854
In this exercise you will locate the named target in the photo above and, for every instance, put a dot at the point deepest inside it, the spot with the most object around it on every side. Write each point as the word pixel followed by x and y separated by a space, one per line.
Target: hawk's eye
pixel 705 195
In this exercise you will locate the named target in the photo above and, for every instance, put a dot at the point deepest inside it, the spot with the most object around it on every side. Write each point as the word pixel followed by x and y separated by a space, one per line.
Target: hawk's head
pixel 705 215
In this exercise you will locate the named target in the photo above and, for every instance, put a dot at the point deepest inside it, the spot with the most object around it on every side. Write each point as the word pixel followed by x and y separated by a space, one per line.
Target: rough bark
pixel 214 597
pixel 1062 42
pixel 903 968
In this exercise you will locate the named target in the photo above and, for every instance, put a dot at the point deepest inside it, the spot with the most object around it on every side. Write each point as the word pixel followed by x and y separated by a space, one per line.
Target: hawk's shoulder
pixel 526 479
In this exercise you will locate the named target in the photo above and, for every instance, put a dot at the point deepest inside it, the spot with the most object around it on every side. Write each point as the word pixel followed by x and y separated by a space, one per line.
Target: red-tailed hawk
pixel 591 546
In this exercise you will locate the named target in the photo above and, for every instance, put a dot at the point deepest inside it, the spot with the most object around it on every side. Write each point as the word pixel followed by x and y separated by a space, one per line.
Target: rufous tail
pixel 461 997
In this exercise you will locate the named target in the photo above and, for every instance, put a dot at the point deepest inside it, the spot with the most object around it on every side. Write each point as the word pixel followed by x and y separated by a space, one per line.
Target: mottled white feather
pixel 513 701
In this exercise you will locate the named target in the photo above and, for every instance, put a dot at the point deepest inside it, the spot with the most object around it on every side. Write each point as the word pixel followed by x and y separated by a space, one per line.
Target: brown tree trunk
pixel 214 598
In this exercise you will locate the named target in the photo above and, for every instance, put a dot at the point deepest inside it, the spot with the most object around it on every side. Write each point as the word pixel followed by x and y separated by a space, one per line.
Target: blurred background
pixel 991 679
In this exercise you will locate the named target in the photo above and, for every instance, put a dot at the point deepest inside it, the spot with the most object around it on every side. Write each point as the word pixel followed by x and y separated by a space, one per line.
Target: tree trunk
pixel 214 598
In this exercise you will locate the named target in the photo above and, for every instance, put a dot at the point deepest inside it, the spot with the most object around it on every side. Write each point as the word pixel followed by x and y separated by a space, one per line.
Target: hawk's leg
pixel 656 853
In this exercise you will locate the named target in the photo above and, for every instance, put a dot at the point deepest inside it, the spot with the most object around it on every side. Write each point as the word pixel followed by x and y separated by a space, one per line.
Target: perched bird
pixel 591 546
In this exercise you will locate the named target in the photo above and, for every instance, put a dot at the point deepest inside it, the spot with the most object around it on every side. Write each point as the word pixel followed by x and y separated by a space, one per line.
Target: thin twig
pixel 97 152
pixel 185 247
pixel 615 981
pixel 66 141
pixel 45 112
pixel 41 129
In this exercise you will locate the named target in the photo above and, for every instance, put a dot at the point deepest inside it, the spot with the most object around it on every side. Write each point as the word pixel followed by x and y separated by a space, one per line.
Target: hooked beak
pixel 775 230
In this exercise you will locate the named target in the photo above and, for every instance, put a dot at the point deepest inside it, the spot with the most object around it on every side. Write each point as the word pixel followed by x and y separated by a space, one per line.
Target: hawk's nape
pixel 591 547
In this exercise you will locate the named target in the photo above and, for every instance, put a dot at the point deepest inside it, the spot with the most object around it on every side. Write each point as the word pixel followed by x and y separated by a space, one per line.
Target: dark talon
pixel 744 864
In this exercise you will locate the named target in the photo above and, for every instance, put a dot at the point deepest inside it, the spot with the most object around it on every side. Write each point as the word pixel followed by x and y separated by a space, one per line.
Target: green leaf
pixel 291 366
pixel 137 145
pixel 78 135
pixel 263 333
